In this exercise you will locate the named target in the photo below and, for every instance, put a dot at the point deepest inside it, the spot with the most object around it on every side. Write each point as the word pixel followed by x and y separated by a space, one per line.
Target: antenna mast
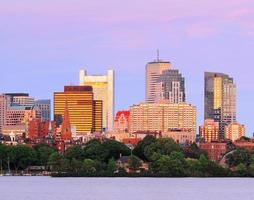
pixel 158 55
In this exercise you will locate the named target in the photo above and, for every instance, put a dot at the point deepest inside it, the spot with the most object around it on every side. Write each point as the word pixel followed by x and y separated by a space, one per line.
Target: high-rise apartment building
pixel 209 132
pixel 220 99
pixel 170 86
pixel 234 131
pixel 163 117
pixel 85 113
pixel 153 72
pixel 103 89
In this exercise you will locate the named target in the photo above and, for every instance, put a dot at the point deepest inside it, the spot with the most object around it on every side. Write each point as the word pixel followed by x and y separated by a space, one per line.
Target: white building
pixel 104 89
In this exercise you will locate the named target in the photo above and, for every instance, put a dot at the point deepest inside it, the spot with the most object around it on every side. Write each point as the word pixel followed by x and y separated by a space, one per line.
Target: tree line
pixel 165 157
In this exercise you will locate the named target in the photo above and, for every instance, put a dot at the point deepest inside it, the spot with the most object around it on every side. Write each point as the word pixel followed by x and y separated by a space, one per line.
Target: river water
pixel 46 188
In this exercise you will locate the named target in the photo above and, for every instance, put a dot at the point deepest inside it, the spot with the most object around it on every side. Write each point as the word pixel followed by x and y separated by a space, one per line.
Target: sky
pixel 44 44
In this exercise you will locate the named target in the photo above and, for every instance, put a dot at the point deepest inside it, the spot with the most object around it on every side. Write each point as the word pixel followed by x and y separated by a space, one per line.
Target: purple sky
pixel 44 43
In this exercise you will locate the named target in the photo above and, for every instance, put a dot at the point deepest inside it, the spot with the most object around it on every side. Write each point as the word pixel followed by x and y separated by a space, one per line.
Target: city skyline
pixel 40 62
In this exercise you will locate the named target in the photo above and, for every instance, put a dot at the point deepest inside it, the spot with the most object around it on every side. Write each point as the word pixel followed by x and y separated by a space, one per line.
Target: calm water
pixel 46 188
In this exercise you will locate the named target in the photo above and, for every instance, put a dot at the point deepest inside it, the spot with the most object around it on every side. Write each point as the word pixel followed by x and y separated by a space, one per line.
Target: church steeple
pixel 66 126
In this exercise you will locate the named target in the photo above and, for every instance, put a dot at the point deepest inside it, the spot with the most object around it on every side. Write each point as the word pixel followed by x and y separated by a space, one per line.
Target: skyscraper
pixel 153 71
pixel 170 86
pixel 85 113
pixel 104 90
pixel 220 99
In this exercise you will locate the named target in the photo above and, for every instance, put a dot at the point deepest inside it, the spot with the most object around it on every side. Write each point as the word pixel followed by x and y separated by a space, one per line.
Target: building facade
pixel 104 90
pixel 4 105
pixel 215 150
pixel 45 107
pixel 170 86
pixel 153 72
pixel 164 117
pixel 220 99
pixel 181 136
pixel 122 121
pixel 209 131
pixel 23 101
pixel 85 113
pixel 234 131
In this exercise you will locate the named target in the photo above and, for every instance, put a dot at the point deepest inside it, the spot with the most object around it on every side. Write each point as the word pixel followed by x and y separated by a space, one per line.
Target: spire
pixel 66 126
pixel 158 55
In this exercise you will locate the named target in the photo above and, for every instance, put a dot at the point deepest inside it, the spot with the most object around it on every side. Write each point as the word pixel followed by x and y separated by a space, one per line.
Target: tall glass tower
pixel 220 99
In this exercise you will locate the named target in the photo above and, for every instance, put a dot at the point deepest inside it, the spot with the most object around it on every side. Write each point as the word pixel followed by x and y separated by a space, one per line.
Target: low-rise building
pixel 122 121
pixel 215 150
pixel 181 136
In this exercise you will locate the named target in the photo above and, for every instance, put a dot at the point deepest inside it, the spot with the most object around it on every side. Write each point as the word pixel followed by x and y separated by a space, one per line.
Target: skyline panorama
pixel 44 51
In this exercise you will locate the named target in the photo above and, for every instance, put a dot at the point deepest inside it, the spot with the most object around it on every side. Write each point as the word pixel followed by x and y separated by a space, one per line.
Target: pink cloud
pixel 201 30
pixel 241 12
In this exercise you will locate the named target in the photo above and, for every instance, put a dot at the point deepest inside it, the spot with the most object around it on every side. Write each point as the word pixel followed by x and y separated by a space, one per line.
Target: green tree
pixel 193 151
pixel 162 146
pixel 94 150
pixel 21 157
pixel 76 165
pixel 111 166
pixel 170 165
pixel 43 153
pixel 3 156
pixel 241 170
pixel 75 152
pixel 139 150
pixel 134 162
pixel 113 149
pixel 55 161
pixel 89 166
pixel 237 157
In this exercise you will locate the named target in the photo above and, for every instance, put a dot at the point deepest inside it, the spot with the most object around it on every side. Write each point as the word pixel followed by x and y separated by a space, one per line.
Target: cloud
pixel 201 29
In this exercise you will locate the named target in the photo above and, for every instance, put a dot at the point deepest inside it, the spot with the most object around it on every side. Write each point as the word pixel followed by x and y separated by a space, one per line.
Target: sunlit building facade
pixel 85 113
pixel 122 121
pixel 104 90
pixel 153 72
pixel 209 132
pixel 220 99
pixel 234 131
pixel 162 117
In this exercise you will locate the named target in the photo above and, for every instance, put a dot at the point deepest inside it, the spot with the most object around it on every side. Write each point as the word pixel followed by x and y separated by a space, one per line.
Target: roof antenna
pixel 158 55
